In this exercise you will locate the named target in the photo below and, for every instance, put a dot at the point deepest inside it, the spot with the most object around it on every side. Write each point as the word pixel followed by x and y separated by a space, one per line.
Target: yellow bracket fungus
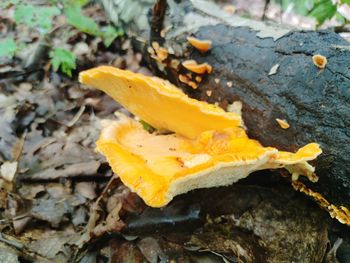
pixel 159 103
pixel 208 148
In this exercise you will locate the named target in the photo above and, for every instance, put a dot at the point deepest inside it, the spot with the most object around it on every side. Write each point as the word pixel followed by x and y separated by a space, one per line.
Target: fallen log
pixel 306 225
pixel 268 68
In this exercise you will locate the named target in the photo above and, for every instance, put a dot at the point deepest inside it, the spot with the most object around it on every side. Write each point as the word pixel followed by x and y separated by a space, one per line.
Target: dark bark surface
pixel 270 223
pixel 315 102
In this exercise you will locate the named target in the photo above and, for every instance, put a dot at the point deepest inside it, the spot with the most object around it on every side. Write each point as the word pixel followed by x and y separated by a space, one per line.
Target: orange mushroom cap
pixel 283 123
pixel 201 45
pixel 197 68
pixel 159 167
pixel 209 147
pixel 319 61
pixel 158 102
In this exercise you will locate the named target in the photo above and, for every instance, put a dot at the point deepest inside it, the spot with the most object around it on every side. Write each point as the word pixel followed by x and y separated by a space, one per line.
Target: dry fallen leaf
pixel 8 170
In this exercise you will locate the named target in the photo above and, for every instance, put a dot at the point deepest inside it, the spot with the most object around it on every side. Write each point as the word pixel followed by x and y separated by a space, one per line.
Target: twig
pixel 11 242
pixel 18 148
pixel 77 116
pixel 157 20
pixel 6 220
pixel 93 215
pixel 267 2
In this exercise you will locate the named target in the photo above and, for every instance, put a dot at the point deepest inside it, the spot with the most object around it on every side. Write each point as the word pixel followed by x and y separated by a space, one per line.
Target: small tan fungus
pixel 319 61
pixel 193 66
pixel 198 79
pixel 150 50
pixel 165 30
pixel 184 78
pixel 155 45
pixel 192 84
pixel 283 123
pixel 174 63
pixel 231 9
pixel 157 52
pixel 187 80
pixel 342 214
pixel 162 53
pixel 201 45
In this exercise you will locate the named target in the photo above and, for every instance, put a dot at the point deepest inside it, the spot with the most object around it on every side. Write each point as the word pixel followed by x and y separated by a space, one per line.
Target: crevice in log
pixel 157 19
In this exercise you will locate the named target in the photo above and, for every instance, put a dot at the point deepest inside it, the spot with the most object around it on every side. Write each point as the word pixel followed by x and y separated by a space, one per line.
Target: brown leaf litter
pixel 56 204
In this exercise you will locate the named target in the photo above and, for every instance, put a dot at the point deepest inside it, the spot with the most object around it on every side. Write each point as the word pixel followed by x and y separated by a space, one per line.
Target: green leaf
pixel 323 10
pixel 7 47
pixel 299 6
pixel 43 17
pixel 340 18
pixel 63 59
pixel 110 33
pixel 147 126
pixel 21 46
pixel 36 16
pixel 24 14
pixel 80 3
pixel 345 2
pixel 83 23
pixel 7 3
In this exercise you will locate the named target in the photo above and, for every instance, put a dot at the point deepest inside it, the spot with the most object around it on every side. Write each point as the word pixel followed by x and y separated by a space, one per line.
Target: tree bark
pixel 315 102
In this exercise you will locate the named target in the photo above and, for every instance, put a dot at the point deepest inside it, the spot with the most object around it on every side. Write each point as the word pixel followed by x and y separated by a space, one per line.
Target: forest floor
pixel 54 206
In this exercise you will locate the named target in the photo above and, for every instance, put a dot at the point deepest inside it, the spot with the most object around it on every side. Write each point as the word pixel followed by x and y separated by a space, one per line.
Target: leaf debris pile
pixel 58 201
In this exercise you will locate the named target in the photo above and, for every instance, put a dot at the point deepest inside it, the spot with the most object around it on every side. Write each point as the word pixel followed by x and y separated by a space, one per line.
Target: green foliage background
pixel 321 10
pixel 40 18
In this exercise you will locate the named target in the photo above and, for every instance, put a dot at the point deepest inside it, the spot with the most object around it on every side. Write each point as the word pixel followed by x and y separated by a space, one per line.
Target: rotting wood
pixel 315 102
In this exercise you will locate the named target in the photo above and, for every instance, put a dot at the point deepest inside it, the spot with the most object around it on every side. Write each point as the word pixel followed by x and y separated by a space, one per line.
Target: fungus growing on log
pixel 341 213
pixel 159 103
pixel 283 123
pixel 201 45
pixel 193 66
pixel 208 148
pixel 187 80
pixel 319 61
